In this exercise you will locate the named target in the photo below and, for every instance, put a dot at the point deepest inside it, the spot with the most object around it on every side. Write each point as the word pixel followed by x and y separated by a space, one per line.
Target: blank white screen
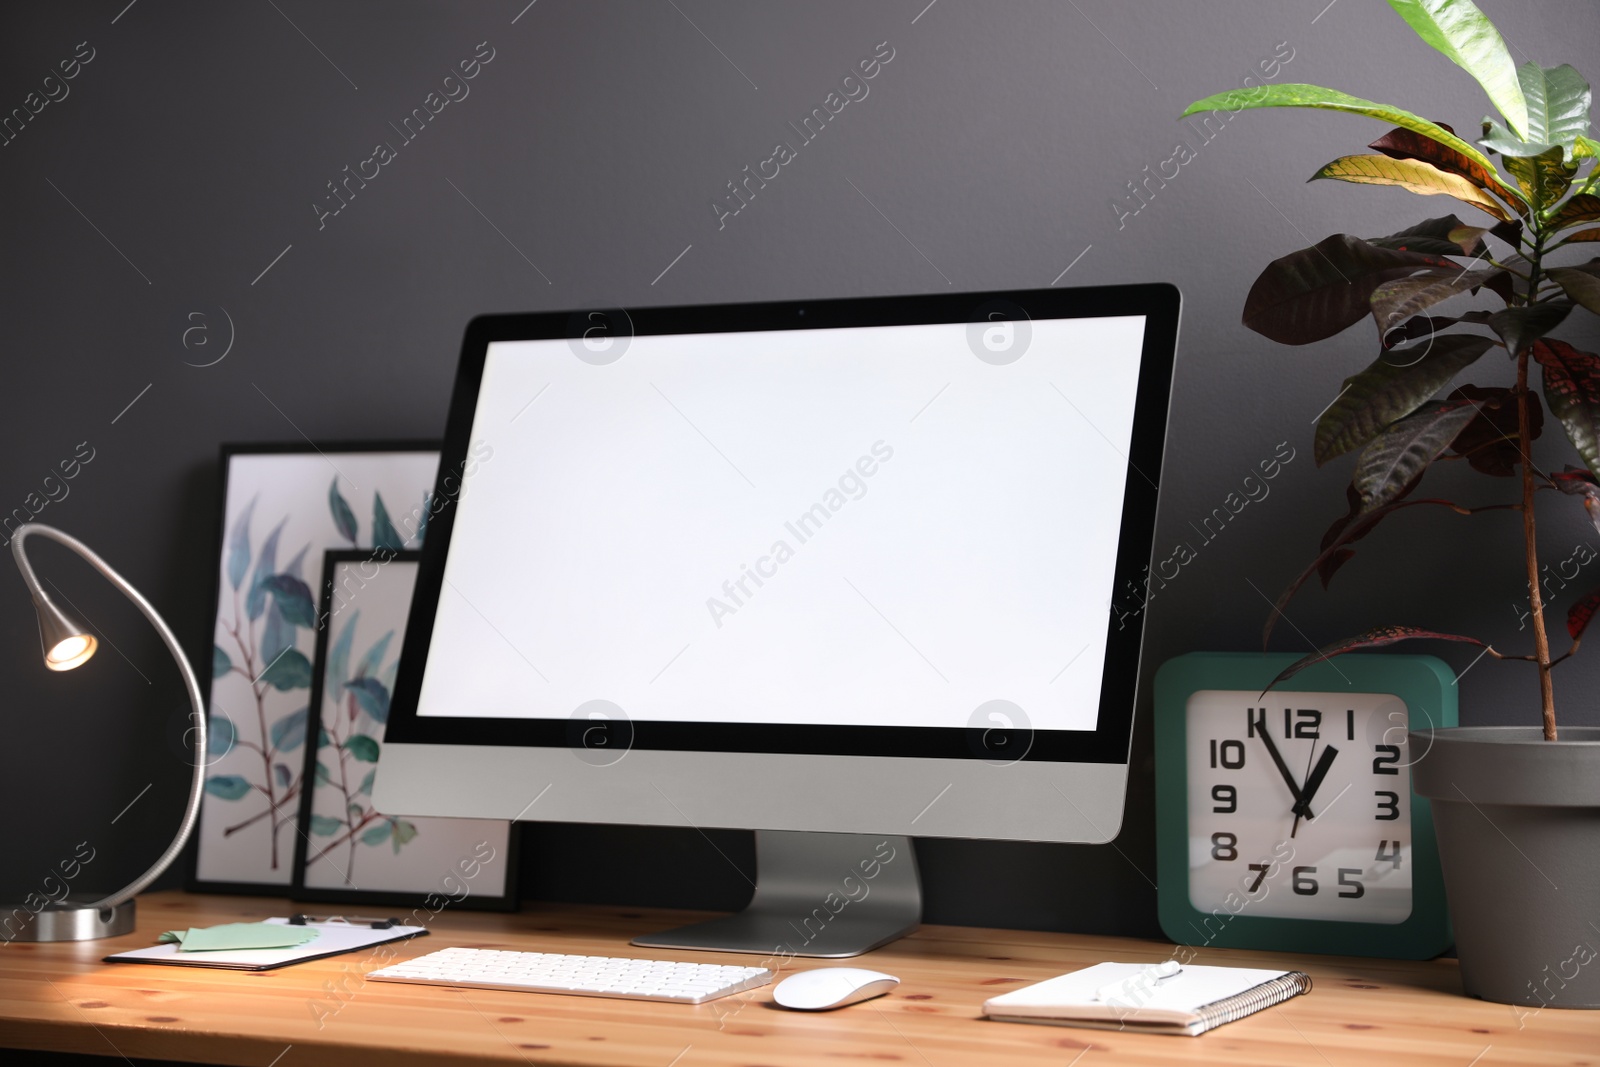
pixel 599 545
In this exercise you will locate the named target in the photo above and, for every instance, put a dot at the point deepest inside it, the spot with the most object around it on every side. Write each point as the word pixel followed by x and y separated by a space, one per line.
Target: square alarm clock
pixel 1286 819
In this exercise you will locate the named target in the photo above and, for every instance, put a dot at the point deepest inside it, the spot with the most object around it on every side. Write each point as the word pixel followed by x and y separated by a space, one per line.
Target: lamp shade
pixel 66 644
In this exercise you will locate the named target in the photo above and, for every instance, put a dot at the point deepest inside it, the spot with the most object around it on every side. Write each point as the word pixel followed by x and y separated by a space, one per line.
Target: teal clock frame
pixel 1426 684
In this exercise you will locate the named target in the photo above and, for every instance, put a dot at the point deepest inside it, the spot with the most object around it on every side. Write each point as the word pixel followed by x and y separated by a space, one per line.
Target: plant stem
pixel 1541 640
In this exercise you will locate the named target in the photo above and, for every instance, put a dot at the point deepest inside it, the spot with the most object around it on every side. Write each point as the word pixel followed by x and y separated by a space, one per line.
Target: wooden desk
pixel 1361 1012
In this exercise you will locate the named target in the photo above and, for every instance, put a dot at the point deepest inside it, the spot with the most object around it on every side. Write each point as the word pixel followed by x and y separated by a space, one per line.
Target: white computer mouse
pixel 823 988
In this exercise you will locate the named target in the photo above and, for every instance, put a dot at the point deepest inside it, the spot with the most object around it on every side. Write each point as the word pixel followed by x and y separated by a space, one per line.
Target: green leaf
pixel 377 835
pixel 422 524
pixel 371 696
pixel 239 545
pixel 1401 143
pixel 1383 635
pixel 384 535
pixel 1558 107
pixel 293 598
pixel 1572 389
pixel 1387 391
pixel 1443 236
pixel 284 776
pixel 369 663
pixel 1396 301
pixel 1316 292
pixel 339 660
pixel 220 734
pixel 1465 35
pixel 266 564
pixel 1580 283
pixel 343 518
pixel 1402 452
pixel 362 748
pixel 1413 175
pixel 289 671
pixel 325 825
pixel 322 775
pixel 1291 94
pixel 1584 207
pixel 403 832
pixel 355 811
pixel 220 663
pixel 366 783
pixel 1519 327
pixel 227 786
pixel 1544 178
pixel 289 732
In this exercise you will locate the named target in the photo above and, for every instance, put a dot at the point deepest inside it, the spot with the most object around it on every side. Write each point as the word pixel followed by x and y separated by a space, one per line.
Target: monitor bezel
pixel 1158 303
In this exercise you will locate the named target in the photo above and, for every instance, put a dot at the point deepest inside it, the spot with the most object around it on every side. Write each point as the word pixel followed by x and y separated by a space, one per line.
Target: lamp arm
pixel 191 813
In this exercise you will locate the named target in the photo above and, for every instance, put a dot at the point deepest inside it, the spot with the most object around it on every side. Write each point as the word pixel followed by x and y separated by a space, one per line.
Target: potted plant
pixel 1527 927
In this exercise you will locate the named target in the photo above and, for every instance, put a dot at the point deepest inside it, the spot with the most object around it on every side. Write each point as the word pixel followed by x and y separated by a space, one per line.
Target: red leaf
pixel 1489 441
pixel 1404 144
pixel 1383 635
pixel 1579 614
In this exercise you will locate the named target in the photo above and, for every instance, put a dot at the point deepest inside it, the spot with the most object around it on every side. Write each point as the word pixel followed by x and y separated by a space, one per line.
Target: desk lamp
pixel 66 646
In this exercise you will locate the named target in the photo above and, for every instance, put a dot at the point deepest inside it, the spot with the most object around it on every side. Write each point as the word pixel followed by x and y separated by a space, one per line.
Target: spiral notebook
pixel 1131 996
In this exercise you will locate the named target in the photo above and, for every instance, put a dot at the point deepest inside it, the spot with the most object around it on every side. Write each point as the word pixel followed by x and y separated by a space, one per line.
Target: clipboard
pixel 334 937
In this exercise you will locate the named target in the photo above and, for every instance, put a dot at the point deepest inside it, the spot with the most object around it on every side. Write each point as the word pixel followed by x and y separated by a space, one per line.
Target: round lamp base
pixel 66 921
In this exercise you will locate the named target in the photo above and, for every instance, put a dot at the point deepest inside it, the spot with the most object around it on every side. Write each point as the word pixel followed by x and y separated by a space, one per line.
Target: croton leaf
pixel 1316 292
pixel 362 748
pixel 1489 442
pixel 1582 235
pixel 1544 178
pixel 325 825
pixel 384 535
pixel 1464 34
pixel 291 670
pixel 1383 635
pixel 1519 327
pixel 1584 207
pixel 1404 451
pixel 293 598
pixel 1580 283
pixel 372 696
pixel 289 732
pixel 227 786
pixel 1401 143
pixel 1579 614
pixel 1558 107
pixel 1580 482
pixel 1431 326
pixel 1434 236
pixel 1393 302
pixel 1390 389
pixel 1414 175
pixel 220 734
pixel 344 520
pixel 1294 94
pixel 1572 389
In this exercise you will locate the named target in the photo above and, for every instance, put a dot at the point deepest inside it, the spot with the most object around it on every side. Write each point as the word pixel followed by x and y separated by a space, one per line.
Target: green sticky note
pixel 238 936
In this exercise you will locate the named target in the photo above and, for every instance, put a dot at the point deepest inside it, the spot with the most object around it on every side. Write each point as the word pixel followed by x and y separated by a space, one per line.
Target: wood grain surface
pixel 1361 1012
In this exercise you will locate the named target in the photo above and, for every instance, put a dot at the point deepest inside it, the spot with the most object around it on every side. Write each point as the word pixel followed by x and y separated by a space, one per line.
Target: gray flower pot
pixel 1518 823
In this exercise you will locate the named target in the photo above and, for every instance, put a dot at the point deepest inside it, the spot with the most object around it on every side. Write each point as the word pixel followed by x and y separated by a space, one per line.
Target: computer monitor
pixel 839 571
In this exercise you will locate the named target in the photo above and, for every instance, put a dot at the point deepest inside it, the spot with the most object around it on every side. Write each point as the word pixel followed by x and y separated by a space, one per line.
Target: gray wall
pixel 192 147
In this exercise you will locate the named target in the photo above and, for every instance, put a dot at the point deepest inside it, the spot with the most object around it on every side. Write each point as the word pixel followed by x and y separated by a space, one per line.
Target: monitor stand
pixel 823 895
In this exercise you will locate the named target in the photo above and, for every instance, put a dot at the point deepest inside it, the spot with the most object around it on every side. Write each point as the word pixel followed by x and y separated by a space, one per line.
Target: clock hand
pixel 1313 783
pixel 1300 807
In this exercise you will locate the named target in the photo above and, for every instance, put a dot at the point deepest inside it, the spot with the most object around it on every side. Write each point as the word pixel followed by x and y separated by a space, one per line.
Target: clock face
pixel 1299 805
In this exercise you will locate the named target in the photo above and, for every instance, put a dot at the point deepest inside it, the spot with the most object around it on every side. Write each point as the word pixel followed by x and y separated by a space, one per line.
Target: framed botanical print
pixel 346 848
pixel 283 506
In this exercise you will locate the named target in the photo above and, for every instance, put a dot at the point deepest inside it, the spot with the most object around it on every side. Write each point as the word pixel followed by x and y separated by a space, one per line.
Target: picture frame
pixel 282 505
pixel 345 849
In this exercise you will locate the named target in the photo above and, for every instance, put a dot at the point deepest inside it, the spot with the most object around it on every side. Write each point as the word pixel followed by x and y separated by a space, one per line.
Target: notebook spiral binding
pixel 1228 1009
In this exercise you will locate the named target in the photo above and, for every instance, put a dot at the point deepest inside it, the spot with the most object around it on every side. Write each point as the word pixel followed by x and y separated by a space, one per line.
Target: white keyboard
pixel 583 976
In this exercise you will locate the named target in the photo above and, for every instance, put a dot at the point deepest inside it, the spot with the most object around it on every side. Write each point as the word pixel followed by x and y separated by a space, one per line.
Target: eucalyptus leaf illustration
pixel 362 748
pixel 220 663
pixel 403 832
pixel 422 526
pixel 339 660
pixel 369 663
pixel 227 786
pixel 323 740
pixel 371 695
pixel 387 677
pixel 266 565
pixel 239 544
pixel 279 632
pixel 325 825
pixel 377 835
pixel 343 518
pixel 221 736
pixel 293 598
pixel 366 783
pixel 384 535
pixel 291 670
pixel 356 811
pixel 322 775
pixel 289 732
pixel 283 775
